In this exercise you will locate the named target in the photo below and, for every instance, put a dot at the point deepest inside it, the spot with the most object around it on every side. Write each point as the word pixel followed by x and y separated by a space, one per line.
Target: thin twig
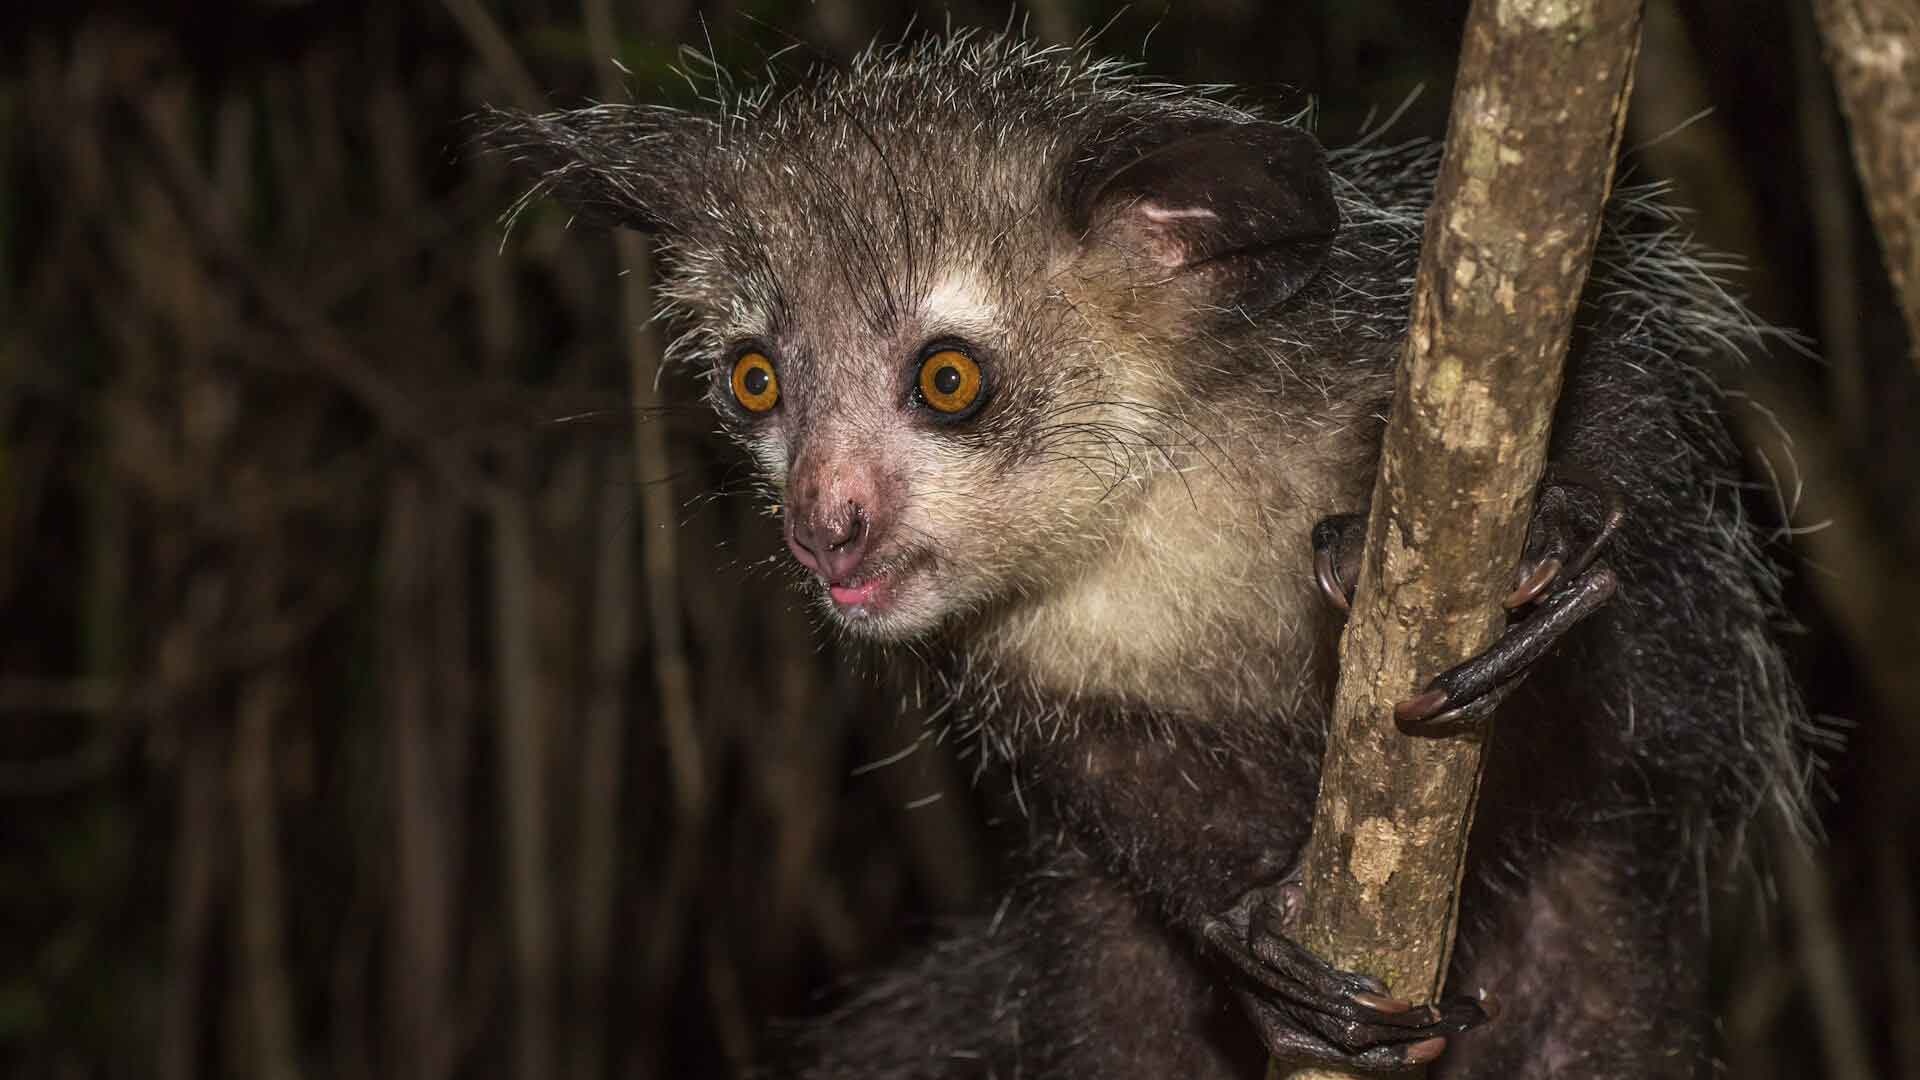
pixel 522 713
pixel 422 911
pixel 267 996
pixel 1836 284
pixel 1823 958
pixel 653 461
pixel 602 765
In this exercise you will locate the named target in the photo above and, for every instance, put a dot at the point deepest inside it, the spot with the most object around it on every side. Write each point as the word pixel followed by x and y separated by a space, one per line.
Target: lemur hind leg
pixel 1072 978
pixel 1596 978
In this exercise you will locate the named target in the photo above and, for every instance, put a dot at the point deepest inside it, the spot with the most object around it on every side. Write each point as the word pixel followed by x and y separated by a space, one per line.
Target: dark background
pixel 386 688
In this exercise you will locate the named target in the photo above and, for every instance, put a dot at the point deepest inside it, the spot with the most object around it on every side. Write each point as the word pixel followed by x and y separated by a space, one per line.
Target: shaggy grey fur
pixel 1110 563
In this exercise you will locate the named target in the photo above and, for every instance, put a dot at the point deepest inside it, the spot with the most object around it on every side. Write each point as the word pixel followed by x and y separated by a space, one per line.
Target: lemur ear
pixel 1250 203
pixel 613 165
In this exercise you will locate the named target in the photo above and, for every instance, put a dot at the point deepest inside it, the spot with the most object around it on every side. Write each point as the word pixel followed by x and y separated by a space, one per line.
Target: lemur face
pixel 951 317
pixel 947 459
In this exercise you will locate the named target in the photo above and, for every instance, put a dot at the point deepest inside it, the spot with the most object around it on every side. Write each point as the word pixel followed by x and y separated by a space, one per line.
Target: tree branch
pixel 1508 246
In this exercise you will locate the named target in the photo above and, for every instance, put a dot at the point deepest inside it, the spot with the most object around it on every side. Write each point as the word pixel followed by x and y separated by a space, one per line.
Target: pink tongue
pixel 850 595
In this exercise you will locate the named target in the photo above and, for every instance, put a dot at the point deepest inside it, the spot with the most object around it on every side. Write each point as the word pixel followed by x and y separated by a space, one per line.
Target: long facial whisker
pixel 1119 440
pixel 1206 447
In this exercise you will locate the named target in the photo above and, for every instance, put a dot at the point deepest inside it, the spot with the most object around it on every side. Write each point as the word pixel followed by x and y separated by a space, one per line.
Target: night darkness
pixel 340 732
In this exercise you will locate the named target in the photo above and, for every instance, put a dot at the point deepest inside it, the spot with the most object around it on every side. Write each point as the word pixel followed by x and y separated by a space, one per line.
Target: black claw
pixel 1450 719
pixel 1337 544
pixel 1613 514
pixel 1306 1009
pixel 1380 1003
pixel 1328 575
pixel 1561 580
pixel 1465 696
pixel 1289 1039
pixel 1534 583
pixel 1470 692
pixel 1421 707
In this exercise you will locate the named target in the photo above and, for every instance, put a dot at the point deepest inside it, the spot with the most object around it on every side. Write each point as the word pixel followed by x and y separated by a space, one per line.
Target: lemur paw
pixel 1561 576
pixel 1309 1012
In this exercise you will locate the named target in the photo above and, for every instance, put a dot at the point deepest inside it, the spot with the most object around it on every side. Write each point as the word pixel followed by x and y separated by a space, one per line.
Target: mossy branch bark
pixel 1538 110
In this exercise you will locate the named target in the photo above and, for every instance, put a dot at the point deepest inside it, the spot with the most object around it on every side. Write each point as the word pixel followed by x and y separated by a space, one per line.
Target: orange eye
pixel 755 385
pixel 949 381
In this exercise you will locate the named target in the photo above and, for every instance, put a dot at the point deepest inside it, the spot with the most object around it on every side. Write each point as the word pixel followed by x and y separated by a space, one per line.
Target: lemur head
pixel 956 300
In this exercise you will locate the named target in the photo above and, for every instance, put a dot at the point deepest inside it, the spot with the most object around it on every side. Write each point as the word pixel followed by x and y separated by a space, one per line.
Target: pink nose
pixel 832 542
pixel 837 511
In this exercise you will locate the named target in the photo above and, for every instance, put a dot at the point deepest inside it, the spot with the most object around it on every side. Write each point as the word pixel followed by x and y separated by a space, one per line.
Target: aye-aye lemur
pixel 1053 371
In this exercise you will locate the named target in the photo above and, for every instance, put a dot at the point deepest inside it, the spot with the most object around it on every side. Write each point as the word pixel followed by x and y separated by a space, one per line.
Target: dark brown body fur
pixel 1110 567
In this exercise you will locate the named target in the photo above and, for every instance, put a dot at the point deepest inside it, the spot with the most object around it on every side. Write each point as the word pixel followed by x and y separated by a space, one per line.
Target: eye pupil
pixel 755 386
pixel 950 383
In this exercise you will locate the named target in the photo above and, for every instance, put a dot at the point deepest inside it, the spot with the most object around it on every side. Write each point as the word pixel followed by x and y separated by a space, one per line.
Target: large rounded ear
pixel 617 165
pixel 1245 207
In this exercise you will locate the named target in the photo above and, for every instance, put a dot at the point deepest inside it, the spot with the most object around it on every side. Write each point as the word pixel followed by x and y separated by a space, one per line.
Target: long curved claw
pixel 1561 575
pixel 1306 1009
pixel 1613 512
pixel 1469 692
pixel 1551 556
pixel 1337 542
